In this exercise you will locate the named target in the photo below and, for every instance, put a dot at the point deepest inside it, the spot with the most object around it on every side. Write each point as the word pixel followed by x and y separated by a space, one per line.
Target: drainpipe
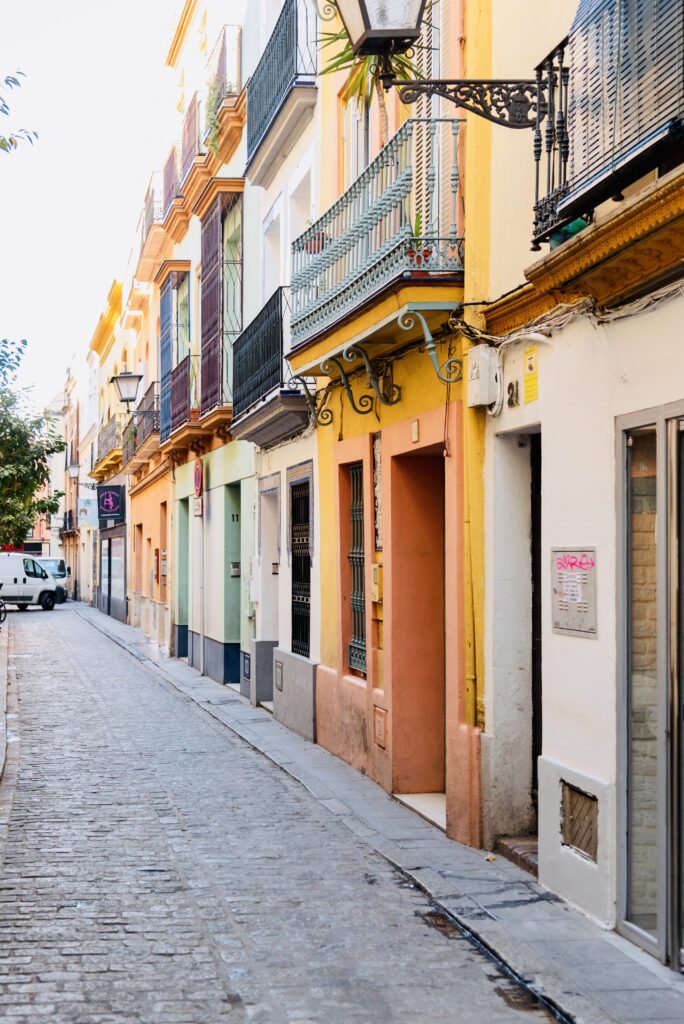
pixel 201 518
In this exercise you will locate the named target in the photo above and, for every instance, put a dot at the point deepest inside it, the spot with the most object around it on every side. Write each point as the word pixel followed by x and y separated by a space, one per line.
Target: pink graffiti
pixel 583 563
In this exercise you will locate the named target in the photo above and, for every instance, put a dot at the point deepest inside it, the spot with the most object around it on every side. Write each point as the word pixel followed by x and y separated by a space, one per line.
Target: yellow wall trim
pixel 180 35
pixel 107 322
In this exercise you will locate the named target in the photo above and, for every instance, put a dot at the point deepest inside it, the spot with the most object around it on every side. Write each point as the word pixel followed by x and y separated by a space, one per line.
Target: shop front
pixel 111 591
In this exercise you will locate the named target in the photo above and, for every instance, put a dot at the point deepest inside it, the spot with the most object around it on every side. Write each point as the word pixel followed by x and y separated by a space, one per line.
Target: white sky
pixel 97 92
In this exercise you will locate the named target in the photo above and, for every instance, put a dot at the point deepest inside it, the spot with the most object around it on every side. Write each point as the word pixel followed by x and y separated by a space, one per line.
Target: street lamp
pixel 73 470
pixel 386 27
pixel 127 384
pixel 381 27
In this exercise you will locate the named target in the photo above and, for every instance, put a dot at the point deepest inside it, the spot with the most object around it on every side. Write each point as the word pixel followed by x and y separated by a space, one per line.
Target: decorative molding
pixel 107 322
pixel 633 247
pixel 657 206
pixel 180 35
pixel 171 267
pixel 214 188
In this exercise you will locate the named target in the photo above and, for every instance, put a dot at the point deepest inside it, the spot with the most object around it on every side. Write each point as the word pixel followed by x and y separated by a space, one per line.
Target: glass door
pixel 652 891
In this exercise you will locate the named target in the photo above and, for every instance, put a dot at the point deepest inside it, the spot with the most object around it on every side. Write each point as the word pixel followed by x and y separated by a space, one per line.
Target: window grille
pixel 357 643
pixel 301 569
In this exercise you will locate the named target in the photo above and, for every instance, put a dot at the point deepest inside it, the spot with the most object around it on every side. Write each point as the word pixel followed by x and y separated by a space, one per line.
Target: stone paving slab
pixel 156 869
pixel 563 955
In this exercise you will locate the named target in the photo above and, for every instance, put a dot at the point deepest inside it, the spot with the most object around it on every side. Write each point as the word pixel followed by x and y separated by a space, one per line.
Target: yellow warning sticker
pixel 531 376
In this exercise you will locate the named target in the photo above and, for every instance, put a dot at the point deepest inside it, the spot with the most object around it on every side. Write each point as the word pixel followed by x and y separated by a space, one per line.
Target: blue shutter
pixel 165 356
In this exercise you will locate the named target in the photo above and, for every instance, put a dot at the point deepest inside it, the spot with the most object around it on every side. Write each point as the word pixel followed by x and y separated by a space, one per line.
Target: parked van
pixel 57 568
pixel 25 582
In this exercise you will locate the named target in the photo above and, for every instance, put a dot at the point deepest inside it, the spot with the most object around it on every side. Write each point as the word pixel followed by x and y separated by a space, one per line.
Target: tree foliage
pixel 15 136
pixel 27 442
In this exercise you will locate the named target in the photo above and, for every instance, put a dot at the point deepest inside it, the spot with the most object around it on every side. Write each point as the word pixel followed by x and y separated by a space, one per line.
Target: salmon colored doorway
pixel 418 677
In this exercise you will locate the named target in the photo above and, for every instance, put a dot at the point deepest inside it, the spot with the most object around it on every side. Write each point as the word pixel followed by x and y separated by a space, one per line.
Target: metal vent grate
pixel 579 820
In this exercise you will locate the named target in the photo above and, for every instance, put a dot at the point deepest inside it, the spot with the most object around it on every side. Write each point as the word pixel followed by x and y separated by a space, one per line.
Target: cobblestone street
pixel 157 868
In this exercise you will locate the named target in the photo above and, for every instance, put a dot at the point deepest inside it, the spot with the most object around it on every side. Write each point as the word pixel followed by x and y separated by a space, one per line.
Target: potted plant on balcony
pixel 419 251
pixel 316 243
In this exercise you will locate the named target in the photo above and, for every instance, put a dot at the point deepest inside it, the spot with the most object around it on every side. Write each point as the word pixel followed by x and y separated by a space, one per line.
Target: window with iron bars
pixel 356 648
pixel 301 569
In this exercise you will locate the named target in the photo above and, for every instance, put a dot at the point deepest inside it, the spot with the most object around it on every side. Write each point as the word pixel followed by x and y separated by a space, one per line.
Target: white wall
pixel 587 377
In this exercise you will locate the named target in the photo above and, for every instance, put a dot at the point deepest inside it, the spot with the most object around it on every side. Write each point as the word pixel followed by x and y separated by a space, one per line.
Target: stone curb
pixel 561 990
pixel 4 672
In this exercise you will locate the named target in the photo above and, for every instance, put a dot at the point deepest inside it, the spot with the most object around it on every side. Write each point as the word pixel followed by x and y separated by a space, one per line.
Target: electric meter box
pixel 482 375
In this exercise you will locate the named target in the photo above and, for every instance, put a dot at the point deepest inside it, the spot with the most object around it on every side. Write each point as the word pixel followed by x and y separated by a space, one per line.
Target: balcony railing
pixel 614 90
pixel 170 184
pixel 224 66
pixel 400 218
pixel 190 140
pixel 258 354
pixel 143 423
pixel 290 54
pixel 70 523
pixel 153 212
pixel 109 437
pixel 185 380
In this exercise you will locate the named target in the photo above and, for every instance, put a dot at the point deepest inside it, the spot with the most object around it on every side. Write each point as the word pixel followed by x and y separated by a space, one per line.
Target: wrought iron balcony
pixel 154 207
pixel 288 60
pixel 266 410
pixel 191 144
pixel 170 182
pixel 142 425
pixel 185 392
pixel 258 355
pixel 225 67
pixel 109 438
pixel 615 94
pixel 400 218
pixel 70 524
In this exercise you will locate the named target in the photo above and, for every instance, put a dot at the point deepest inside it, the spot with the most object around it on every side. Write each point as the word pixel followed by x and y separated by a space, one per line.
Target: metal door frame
pixel 667 942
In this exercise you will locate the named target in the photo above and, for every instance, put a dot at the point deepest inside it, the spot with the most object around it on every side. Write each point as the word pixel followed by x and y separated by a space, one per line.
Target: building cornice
pixel 635 246
pixel 105 325
pixel 171 267
pixel 214 188
pixel 181 33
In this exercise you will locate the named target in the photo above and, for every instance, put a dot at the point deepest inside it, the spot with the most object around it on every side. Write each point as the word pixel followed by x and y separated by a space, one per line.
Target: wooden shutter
pixel 626 93
pixel 425 107
pixel 165 356
pixel 211 333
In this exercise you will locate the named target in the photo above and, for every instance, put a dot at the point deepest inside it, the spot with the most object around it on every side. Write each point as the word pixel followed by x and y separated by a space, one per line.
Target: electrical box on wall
pixel 482 375
pixel 376 583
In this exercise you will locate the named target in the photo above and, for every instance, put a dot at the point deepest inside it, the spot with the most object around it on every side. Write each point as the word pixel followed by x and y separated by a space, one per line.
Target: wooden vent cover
pixel 579 820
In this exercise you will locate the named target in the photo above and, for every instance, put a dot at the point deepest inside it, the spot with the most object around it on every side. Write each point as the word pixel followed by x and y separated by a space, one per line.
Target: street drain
pixel 507 985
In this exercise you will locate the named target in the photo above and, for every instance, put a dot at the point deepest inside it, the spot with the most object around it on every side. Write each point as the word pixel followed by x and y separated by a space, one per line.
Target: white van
pixel 24 582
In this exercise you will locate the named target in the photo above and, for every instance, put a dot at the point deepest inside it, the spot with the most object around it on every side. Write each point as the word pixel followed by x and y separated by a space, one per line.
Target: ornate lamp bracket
pixel 321 416
pixel 365 403
pixel 512 104
pixel 390 394
pixel 452 371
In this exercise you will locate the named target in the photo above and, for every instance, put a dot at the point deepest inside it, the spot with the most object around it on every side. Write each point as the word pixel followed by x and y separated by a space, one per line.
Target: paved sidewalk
pixel 156 869
pixel 589 974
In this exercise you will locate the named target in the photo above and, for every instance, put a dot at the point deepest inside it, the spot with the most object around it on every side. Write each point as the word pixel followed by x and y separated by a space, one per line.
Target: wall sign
pixel 531 375
pixel 573 591
pixel 198 478
pixel 198 506
pixel 111 504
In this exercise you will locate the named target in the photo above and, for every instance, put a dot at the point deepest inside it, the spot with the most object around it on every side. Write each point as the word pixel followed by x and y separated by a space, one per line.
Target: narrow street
pixel 157 868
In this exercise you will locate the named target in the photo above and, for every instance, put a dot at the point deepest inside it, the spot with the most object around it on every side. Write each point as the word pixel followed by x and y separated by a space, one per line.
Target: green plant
pixel 27 442
pixel 213 124
pixel 11 141
pixel 364 78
